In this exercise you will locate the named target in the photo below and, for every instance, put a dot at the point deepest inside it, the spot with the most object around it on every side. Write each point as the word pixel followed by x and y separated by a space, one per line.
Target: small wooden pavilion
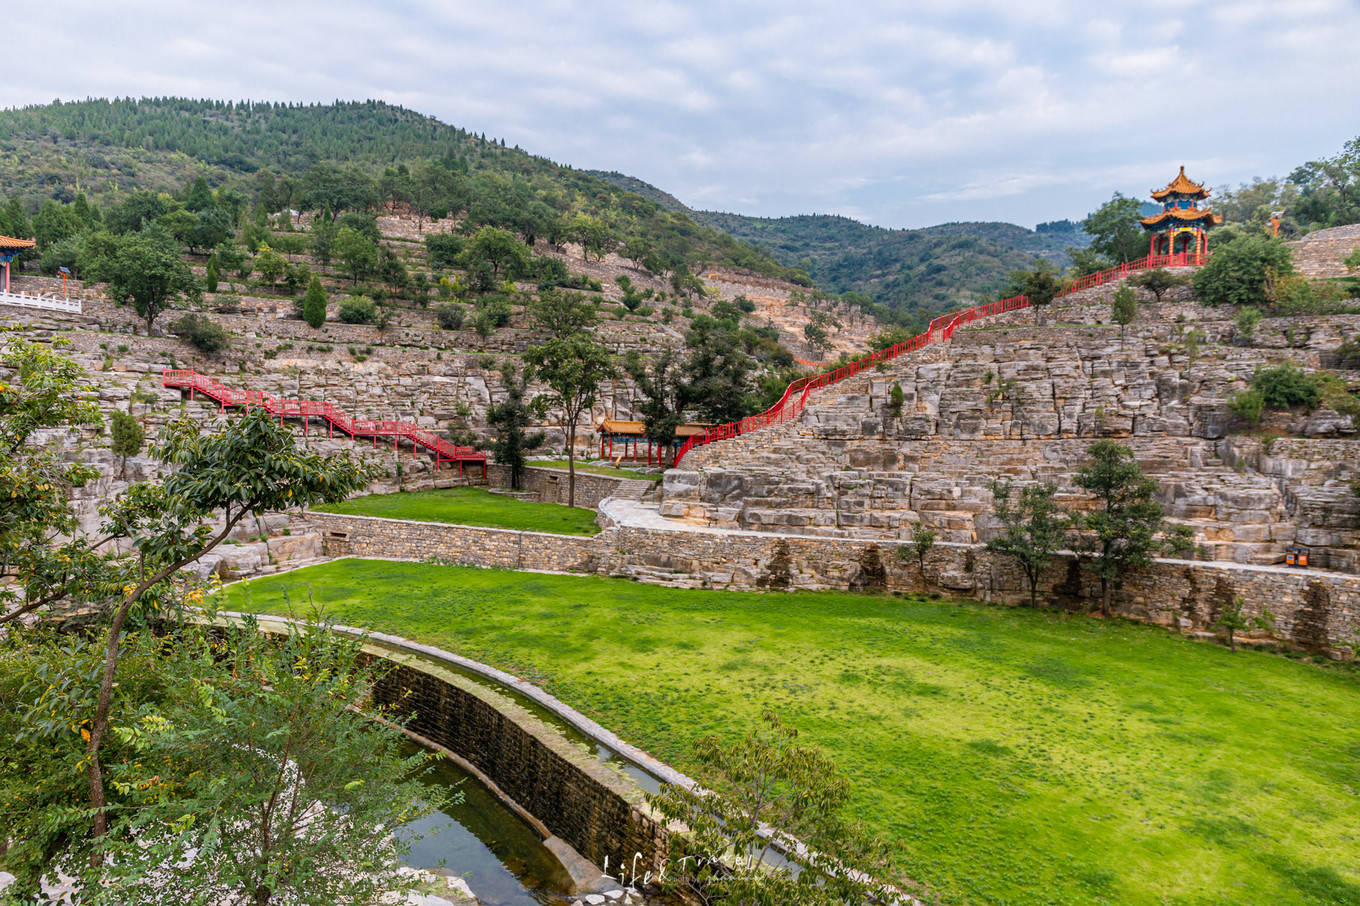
pixel 9 250
pixel 631 435
pixel 1181 227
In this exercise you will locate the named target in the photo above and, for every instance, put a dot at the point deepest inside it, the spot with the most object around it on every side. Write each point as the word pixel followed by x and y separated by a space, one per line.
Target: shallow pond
pixel 482 841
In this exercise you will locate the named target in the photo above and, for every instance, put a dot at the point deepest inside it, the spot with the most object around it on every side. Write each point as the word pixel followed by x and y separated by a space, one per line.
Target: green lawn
pixel 472 506
pixel 597 470
pixel 1021 757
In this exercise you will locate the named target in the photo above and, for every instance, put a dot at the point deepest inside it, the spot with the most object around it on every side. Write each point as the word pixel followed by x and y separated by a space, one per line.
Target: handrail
pixel 305 409
pixel 939 331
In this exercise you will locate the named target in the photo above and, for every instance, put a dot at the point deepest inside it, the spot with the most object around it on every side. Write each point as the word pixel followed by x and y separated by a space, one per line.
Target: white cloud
pixel 901 113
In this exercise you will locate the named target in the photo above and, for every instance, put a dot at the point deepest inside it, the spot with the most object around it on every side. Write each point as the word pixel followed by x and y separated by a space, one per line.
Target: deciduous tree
pixel 573 367
pixel 1034 527
pixel 1120 535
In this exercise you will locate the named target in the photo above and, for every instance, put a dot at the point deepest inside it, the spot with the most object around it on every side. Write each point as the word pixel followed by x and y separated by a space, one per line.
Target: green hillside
pixel 908 271
pixel 346 154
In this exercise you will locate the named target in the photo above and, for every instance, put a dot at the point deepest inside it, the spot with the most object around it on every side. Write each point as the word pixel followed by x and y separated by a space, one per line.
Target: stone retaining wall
pixel 580 800
pixel 368 536
pixel 1313 609
pixel 551 484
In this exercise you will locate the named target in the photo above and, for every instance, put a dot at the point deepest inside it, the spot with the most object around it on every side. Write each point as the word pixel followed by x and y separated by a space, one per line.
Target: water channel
pixel 482 841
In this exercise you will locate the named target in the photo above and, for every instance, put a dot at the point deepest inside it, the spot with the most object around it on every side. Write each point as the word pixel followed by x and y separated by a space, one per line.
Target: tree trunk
pixel 571 462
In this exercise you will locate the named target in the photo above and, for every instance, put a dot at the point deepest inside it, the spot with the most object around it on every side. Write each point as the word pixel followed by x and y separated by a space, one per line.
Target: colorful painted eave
pixel 1182 185
pixel 1187 215
pixel 9 242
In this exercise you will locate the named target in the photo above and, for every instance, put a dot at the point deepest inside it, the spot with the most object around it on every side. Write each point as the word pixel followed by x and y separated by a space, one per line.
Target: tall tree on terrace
pixel 510 418
pixel 663 396
pixel 1034 528
pixel 146 269
pixel 1120 535
pixel 573 367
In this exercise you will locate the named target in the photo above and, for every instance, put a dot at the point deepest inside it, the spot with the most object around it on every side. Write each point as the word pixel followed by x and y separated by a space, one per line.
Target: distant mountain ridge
pixel 909 273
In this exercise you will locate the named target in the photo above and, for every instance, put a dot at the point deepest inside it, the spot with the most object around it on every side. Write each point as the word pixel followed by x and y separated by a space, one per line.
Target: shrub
pixel 358 310
pixel 443 249
pixel 1237 273
pixel 314 305
pixel 202 332
pixel 1348 354
pixel 1284 386
pixel 1158 281
pixel 1244 326
pixel 450 316
pixel 1291 294
pixel 1249 405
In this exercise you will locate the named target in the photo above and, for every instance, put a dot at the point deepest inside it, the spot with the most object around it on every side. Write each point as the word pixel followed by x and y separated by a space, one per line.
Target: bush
pixel 1285 386
pixel 1291 294
pixel 202 332
pixel 314 305
pixel 450 316
pixel 358 310
pixel 1237 273
pixel 1348 354
pixel 1249 405
pixel 443 249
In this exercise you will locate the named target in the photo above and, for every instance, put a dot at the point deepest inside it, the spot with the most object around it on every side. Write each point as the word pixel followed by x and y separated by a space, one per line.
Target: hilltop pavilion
pixel 1182 226
pixel 9 249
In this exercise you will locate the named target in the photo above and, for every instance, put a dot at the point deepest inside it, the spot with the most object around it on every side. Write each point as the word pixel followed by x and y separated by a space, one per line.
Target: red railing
pixel 940 330
pixel 225 396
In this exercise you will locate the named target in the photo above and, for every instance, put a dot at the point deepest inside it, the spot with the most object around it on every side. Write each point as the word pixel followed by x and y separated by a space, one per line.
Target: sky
pixel 897 114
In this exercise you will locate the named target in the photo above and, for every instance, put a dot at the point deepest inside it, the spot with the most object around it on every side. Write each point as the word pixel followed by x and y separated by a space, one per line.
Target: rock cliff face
pixel 1011 399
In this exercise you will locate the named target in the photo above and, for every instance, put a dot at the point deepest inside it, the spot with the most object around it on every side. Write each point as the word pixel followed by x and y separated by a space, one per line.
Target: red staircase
pixel 307 410
pixel 940 330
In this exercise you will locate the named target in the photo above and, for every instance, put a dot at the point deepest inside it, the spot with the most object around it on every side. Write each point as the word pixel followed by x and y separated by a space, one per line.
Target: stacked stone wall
pixel 580 800
pixel 551 484
pixel 1313 609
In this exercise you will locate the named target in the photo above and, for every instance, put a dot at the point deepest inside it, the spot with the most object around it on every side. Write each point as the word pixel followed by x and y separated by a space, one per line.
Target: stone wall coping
pixel 658 769
pixel 317 514
pixel 630 517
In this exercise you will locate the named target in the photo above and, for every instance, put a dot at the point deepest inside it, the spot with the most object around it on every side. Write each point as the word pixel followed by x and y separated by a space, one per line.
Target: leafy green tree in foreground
pixel 768 788
pixel 1035 527
pixel 573 367
pixel 239 769
pixel 216 479
pixel 1120 535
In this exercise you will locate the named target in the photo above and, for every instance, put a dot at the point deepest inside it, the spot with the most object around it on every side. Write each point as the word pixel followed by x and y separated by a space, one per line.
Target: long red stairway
pixel 940 330
pixel 225 396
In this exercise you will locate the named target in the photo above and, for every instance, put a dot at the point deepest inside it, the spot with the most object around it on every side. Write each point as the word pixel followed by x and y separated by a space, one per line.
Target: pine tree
pixel 126 435
pixel 213 275
pixel 314 305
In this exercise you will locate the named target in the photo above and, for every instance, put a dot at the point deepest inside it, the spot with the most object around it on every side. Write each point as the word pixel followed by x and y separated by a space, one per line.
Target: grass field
pixel 1020 757
pixel 472 506
pixel 597 470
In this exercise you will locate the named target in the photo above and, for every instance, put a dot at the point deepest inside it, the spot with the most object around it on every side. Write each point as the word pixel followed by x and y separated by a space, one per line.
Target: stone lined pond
pixel 482 841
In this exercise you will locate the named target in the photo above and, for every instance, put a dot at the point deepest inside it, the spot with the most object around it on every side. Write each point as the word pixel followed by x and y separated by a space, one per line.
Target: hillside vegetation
pixel 342 156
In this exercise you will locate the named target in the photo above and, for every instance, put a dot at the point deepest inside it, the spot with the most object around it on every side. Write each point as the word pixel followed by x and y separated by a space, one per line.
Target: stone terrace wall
pixel 368 536
pixel 1319 610
pixel 599 813
pixel 551 484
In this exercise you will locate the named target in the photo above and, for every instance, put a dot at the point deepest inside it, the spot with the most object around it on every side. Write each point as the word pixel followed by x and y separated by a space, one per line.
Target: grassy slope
pixel 1021 757
pixel 472 506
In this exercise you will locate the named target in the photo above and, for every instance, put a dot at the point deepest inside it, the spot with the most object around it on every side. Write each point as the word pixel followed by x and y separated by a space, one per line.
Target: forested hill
pixel 906 272
pixel 924 270
pixel 349 155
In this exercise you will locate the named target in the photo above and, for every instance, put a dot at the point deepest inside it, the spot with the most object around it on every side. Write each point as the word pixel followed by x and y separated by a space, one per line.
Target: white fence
pixel 47 303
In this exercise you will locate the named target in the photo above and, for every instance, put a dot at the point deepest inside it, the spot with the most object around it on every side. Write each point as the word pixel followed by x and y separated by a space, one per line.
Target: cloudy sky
pixel 899 114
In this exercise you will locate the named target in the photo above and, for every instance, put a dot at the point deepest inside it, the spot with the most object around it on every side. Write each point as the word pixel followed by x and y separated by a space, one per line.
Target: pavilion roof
pixel 1181 185
pixel 9 242
pixel 1184 216
pixel 622 427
